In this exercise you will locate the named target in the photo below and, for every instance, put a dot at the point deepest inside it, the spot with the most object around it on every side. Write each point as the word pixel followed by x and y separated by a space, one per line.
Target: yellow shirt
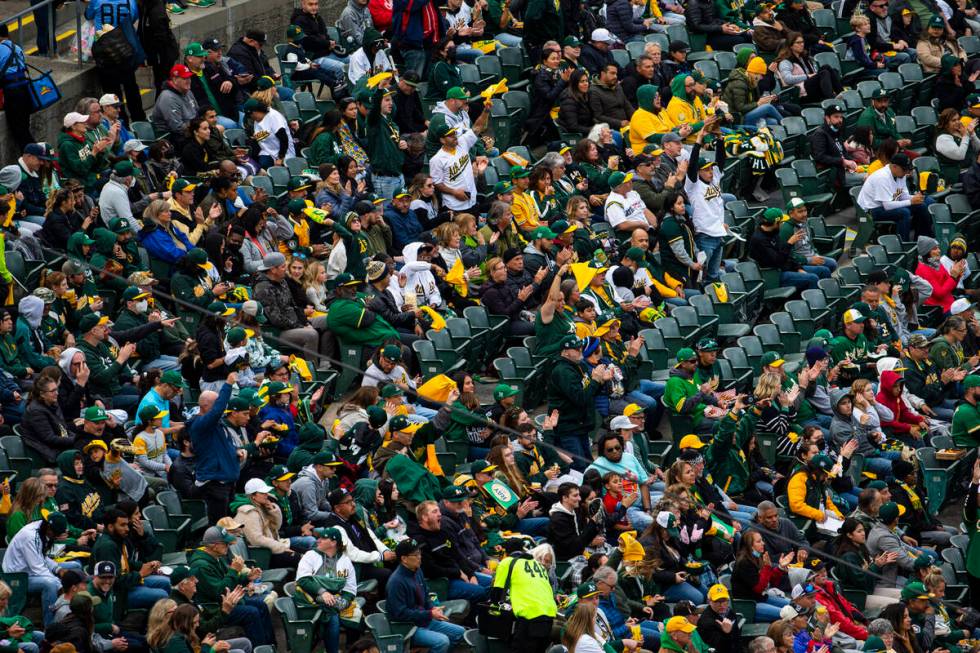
pixel 525 211
pixel 875 165
pixel 681 111
pixel 645 123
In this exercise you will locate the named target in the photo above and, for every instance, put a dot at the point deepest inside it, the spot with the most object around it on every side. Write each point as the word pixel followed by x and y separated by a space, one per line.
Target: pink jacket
pixel 942 285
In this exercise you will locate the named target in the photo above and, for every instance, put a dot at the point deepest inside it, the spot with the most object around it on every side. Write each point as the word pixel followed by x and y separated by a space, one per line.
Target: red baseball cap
pixel 180 70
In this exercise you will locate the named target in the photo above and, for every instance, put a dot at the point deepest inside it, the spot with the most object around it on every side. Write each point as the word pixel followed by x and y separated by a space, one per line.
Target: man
pixel 216 576
pixel 686 400
pixel 409 115
pixel 212 84
pixel 317 43
pixel 570 530
pixel 885 195
pixel 613 617
pixel 352 321
pixel 451 168
pixel 530 597
pixel 106 369
pixel 353 21
pixel 281 311
pixel 279 144
pixel 384 145
pixel 27 552
pixel 457 517
pixel 646 185
pixel 803 245
pixel 442 557
pixel 672 169
pixel 261 519
pixel 610 103
pixel 148 349
pixel 184 584
pixel 966 420
pixel 311 487
pixel 112 123
pixel 176 106
pixel 718 625
pixel 766 249
pixel 703 20
pixel 624 209
pixel 408 601
pixel 827 144
pixel 596 54
pixel 138 586
pixel 571 391
pixel 247 53
pixel 885 537
pixel 780 535
pixel 30 162
pixel 881 119
pixel 924 379
pixel 216 449
pixel 361 544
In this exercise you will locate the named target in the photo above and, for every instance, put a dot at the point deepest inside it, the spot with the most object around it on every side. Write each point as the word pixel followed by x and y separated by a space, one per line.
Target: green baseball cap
pixel 916 590
pixel 685 354
pixel 617 178
pixel 90 320
pixel 326 458
pixel 294 33
pixel 455 494
pixel 119 226
pixel 444 130
pixel 502 391
pixel 519 172
pixel 771 358
pixel 503 187
pixel 180 185
pixel 195 49
pixel 124 168
pixel 296 205
pixel 571 42
pixel 236 336
pixel 936 21
pixel 173 377
pixel 179 574
pixel 457 93
pixel 635 254
pixel 220 309
pixel 587 590
pixel 133 293
pixel 543 232
pixel 330 533
pixel 95 414
pixel 971 381
pixel 771 216
pixel 237 404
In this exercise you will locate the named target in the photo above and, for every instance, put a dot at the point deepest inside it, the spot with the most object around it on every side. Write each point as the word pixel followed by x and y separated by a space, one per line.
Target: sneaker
pixel 175 8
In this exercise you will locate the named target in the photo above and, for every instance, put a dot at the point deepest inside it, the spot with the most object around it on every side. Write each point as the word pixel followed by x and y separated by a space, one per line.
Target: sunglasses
pixel 613 449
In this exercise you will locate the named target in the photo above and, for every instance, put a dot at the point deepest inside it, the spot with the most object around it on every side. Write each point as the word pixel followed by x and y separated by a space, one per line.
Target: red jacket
pixel 840 610
pixel 942 285
pixel 903 416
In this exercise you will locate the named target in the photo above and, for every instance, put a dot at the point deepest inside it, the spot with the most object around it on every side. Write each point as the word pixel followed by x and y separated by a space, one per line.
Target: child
pixel 585 314
pixel 616 504
pixel 858 49
pixel 151 447
pixel 313 283
pixel 118 473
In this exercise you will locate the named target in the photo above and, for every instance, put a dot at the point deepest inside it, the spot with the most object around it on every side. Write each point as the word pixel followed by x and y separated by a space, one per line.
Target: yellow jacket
pixel 525 211
pixel 644 123
pixel 796 492
pixel 682 111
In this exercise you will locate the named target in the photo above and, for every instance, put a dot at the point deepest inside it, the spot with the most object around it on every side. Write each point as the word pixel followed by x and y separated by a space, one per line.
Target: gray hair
pixel 46 471
pixel 605 572
pixel 552 160
pixel 880 627
pixel 596 132
pixel 82 106
pixel 761 644
pixel 497 211
pixel 541 551
pixel 766 505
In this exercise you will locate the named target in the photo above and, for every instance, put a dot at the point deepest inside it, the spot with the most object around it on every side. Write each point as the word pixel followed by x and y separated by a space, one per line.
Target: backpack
pixel 112 49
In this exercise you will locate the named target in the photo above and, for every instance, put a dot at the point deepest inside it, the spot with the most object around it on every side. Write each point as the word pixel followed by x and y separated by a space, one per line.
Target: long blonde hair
pixel 768 387
pixel 582 622
pixel 515 479
pixel 160 613
pixel 266 97
pixel 30 496
pixel 312 272
pixel 160 625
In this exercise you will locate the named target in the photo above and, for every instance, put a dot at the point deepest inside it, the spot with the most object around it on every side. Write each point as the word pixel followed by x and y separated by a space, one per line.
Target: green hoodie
pixel 79 162
pixel 365 491
pixel 725 459
pixel 78 499
pixel 310 443
pixel 214 576
pixel 680 95
pixel 647 93
pixel 103 613
pixel 74 247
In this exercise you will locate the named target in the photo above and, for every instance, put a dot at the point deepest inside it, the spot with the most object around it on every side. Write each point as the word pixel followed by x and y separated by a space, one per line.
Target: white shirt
pixel 882 190
pixel 462 18
pixel 374 376
pixel 311 564
pixel 948 264
pixel 358 65
pixel 707 207
pixel 24 554
pixel 273 122
pixel 624 208
pixel 455 170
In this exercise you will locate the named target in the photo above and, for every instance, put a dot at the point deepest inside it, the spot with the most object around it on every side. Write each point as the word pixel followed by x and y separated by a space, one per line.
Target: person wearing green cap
pixel 880 117
pixel 384 144
pixel 192 283
pixel 571 391
pixel 451 168
pixel 965 429
pixel 326 578
pixel 768 251
pixel 686 400
pixel 353 322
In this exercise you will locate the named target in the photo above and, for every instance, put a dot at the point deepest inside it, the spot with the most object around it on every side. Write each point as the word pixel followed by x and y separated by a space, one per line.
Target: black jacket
pixel 34 201
pixel 620 21
pixel 594 59
pixel 546 88
pixel 441 553
pixel 575 112
pixel 570 533
pixel 502 299
pixel 611 105
pixel 703 18
pixel 254 63
pixel 714 636
pixel 769 252
pixel 827 147
pixel 469 540
pixel 58 228
pixel 356 531
pixel 408 113
pixel 633 81
pixel 215 75
pixel 315 40
pixel 951 95
pixel 971 183
pixel 155 35
pixel 73 398
pixel 384 305
pixel 181 476
pixel 45 430
pixel 210 344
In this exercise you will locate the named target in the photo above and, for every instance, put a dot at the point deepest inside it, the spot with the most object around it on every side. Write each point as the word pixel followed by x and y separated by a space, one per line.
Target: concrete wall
pixel 224 23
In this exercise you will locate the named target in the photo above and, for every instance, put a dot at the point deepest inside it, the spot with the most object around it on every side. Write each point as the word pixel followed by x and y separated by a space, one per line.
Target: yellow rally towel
pixel 486 46
pixel 456 277
pixel 316 215
pixel 514 159
pixel 721 292
pixel 584 273
pixel 374 80
pixel 432 461
pixel 301 367
pixel 438 322
pixel 494 89
pixel 437 388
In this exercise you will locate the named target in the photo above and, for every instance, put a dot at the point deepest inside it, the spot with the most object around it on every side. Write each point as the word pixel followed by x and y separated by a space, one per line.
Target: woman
pixel 160 614
pixel 73 391
pixel 228 264
pixel 354 410
pixel 331 195
pixel 473 246
pixel 425 200
pixel 754 574
pixel 325 145
pixel 861 569
pixel 579 635
pixel 678 251
pixel 575 110
pixel 595 169
pixel 797 68
pixel 26 506
pixel 931 269
pixel 194 156
pixel 934 43
pixel 777 411
pixel 326 577
pixel 904 639
pixel 160 163
pixel 661 540
pixel 957 144
pixel 260 353
pixel 444 73
pixel 348 127
pixel 353 176
pixel 950 87
pixel 62 220
pixel 210 345
pixel 547 84
pixel 179 635
pixel 503 298
pixel 507 471
pixel 782 633
pixel 585 241
pixel 264 231
pixel 543 195
pixel 44 427
pixel 886 150
pixel 161 239
pixel 859 145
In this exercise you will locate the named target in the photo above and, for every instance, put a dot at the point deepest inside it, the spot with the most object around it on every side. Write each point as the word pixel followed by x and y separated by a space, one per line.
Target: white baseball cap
pixel 788 612
pixel 257 485
pixel 73 119
pixel 133 145
pixel 622 422
pixel 109 99
pixel 961 305
pixel 603 35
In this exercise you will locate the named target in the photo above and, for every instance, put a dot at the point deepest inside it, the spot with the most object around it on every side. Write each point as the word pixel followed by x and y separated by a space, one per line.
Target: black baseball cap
pixel 212 44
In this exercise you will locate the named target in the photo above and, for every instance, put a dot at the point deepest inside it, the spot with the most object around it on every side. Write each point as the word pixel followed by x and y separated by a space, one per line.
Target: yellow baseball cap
pixel 718 592
pixel 632 409
pixel 691 442
pixel 681 624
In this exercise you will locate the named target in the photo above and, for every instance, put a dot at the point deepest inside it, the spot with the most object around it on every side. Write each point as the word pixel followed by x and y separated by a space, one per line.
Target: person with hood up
pixel 28 336
pixel 685 106
pixel 310 442
pixel 312 485
pixel 261 519
pixel 742 95
pixel 43 427
pixel 906 424
pixel 354 21
pixel 325 577
pixel 931 269
pixel 419 277
pixel 73 389
pixel 650 122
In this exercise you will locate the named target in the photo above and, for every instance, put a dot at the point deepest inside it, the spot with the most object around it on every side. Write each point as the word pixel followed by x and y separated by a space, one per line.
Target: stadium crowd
pixel 507 326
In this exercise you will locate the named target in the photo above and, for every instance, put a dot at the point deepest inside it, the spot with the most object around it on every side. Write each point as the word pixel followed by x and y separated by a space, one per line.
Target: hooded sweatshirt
pixel 841 428
pixel 683 109
pixel 317 573
pixel 569 531
pixel 30 342
pixel 648 124
pixel 903 416
pixel 78 499
pixel 310 442
pixel 261 525
pixel 312 495
pixel 365 490
pixel 419 279
pixel 354 19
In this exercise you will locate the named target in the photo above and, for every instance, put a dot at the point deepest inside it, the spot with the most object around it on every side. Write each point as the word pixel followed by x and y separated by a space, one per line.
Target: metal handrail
pixel 47 6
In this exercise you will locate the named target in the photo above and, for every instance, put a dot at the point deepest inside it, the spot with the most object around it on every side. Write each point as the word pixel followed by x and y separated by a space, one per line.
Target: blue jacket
pixel 13 70
pixel 13 411
pixel 405 227
pixel 407 34
pixel 159 244
pixel 615 617
pixel 111 12
pixel 288 441
pixel 215 454
pixel 408 597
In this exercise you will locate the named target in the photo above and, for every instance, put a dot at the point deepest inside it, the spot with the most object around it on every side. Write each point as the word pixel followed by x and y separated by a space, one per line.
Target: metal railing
pixel 44 18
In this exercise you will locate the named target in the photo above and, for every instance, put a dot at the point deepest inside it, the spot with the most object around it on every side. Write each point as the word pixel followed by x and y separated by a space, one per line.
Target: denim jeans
pixel 49 586
pixel 509 40
pixel 467 53
pixel 386 186
pixel 639 518
pixel 252 614
pixel 893 61
pixel 577 447
pixel 413 60
pixel 685 592
pixel 880 467
pixel 164 362
pixel 907 218
pixel 152 590
pixel 827 263
pixel 768 612
pixel 766 112
pixel 472 592
pixel 799 280
pixel 227 123
pixel 438 636
pixel 332 64
pixel 648 394
pixel 285 93
pixel 533 525
pixel 330 628
pixel 302 543
pixel 711 246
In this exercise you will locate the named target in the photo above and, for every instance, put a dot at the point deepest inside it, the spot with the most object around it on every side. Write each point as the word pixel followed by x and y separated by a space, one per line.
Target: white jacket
pixel 24 554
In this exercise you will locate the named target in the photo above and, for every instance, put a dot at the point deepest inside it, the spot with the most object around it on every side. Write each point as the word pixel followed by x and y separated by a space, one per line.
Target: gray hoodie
pixel 173 110
pixel 354 19
pixel 32 310
pixel 311 493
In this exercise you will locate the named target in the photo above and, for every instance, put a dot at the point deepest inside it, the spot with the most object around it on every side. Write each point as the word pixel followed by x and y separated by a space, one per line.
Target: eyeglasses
pixel 613 449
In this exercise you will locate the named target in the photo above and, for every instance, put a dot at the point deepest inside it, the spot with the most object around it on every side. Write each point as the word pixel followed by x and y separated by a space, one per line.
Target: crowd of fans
pixel 355 349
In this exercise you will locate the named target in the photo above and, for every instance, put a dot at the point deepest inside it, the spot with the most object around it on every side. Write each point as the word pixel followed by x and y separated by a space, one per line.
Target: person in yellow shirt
pixel 808 491
pixel 525 209
pixel 686 107
pixel 650 122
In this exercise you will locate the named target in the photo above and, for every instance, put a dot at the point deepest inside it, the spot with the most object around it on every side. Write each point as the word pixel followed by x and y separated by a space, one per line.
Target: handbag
pixel 44 92
pixel 496 615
